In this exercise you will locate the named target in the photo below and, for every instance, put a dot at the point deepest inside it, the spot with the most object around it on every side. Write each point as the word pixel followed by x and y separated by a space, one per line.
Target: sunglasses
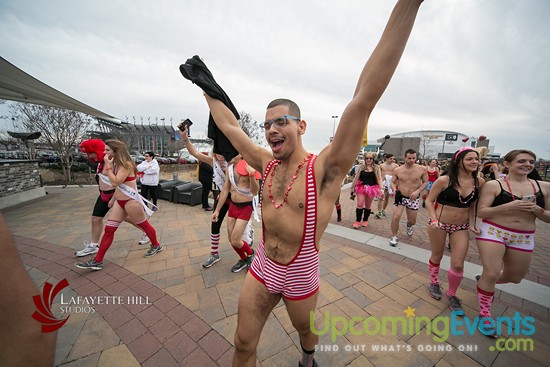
pixel 279 122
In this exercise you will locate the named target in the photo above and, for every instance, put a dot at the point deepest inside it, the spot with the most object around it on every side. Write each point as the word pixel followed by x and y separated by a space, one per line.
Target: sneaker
pixel 88 249
pixel 338 218
pixel 90 264
pixel 249 260
pixel 456 305
pixel 393 241
pixel 144 239
pixel 483 320
pixel 314 364
pixel 240 265
pixel 378 215
pixel 365 223
pixel 478 277
pixel 212 259
pixel 356 225
pixel 410 230
pixel 153 250
pixel 435 291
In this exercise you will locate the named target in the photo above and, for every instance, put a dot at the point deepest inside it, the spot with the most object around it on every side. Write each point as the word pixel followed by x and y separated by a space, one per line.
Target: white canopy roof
pixel 16 85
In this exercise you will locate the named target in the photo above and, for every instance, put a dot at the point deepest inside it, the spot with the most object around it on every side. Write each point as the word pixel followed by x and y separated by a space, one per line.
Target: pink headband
pixel 462 150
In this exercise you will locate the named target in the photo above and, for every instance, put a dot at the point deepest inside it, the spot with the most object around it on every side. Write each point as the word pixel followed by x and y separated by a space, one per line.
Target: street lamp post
pixel 333 126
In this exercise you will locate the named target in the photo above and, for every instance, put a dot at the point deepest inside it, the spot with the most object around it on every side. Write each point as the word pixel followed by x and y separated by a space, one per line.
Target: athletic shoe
pixel 338 218
pixel 88 249
pixel 378 215
pixel 153 250
pixel 212 259
pixel 240 265
pixel 249 260
pixel 314 364
pixel 478 277
pixel 483 320
pixel 393 241
pixel 144 239
pixel 456 305
pixel 356 225
pixel 90 264
pixel 365 223
pixel 410 230
pixel 435 291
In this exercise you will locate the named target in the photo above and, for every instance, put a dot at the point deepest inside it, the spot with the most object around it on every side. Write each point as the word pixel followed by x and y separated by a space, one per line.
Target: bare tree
pixel 252 129
pixel 61 129
pixel 7 141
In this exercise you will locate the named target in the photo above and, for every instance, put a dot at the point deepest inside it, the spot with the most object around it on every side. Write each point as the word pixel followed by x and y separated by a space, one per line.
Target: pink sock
pixel 484 299
pixel 454 281
pixel 434 272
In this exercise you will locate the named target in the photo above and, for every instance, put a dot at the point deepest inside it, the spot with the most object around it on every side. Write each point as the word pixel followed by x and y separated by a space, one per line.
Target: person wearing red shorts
pixel 241 182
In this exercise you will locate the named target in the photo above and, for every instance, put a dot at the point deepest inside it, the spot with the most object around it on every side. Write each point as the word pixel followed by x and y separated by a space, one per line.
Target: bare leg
pixel 395 219
pixel 299 313
pixel 97 228
pixel 255 305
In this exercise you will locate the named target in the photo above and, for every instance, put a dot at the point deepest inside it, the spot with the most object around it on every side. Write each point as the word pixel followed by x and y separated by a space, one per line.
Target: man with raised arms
pixel 299 191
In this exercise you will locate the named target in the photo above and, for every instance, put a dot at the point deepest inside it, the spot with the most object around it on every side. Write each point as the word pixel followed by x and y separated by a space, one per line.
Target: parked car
pixel 186 158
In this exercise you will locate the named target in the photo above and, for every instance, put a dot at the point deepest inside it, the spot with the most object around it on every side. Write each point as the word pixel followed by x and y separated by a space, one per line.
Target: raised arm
pixel 228 124
pixel 372 83
pixel 192 150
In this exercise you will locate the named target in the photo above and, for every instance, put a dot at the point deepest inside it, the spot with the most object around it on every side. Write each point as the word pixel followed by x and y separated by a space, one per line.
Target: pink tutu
pixel 370 191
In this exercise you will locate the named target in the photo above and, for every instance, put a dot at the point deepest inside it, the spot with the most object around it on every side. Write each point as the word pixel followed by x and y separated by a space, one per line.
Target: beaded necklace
pixel 510 188
pixel 289 187
pixel 466 200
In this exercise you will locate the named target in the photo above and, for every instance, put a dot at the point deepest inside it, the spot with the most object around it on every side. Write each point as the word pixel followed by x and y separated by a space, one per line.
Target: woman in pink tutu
pixel 366 185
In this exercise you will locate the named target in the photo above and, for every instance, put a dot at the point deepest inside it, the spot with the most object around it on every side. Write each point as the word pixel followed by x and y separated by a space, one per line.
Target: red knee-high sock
pixel 244 251
pixel 107 240
pixel 454 281
pixel 214 243
pixel 484 299
pixel 149 231
pixel 434 272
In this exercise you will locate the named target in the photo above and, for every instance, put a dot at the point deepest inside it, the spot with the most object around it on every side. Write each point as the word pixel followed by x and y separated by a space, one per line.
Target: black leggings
pixel 217 225
pixel 146 190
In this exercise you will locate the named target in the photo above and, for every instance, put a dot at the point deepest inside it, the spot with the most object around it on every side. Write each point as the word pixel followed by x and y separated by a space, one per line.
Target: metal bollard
pixel 174 175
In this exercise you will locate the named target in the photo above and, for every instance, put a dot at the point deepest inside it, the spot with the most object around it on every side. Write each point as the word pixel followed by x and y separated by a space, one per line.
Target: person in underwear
pixel 121 173
pixel 411 179
pixel 241 181
pixel 433 173
pixel 509 207
pixel 219 166
pixel 94 150
pixel 366 185
pixel 386 171
pixel 456 195
pixel 299 191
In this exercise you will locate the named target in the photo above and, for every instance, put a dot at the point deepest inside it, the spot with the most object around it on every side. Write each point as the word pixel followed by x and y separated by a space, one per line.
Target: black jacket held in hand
pixel 196 71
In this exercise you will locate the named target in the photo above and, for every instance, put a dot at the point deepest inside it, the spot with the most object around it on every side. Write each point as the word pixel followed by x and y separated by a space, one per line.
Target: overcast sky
pixel 475 67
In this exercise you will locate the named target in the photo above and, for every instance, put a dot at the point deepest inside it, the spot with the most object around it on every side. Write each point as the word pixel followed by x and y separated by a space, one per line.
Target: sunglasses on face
pixel 279 122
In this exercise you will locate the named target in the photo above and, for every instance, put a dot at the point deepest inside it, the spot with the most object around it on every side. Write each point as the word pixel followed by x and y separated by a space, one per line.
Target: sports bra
pixel 451 197
pixel 367 178
pixel 505 197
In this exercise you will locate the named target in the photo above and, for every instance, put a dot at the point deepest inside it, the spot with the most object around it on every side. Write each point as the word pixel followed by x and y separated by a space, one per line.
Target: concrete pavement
pixel 174 312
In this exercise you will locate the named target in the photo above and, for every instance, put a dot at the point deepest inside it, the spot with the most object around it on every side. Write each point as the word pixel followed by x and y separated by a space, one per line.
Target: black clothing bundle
pixel 196 71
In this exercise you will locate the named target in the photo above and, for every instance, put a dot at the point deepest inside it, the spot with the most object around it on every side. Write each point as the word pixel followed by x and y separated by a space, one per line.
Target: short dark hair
pixel 410 151
pixel 388 155
pixel 293 108
pixel 150 154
